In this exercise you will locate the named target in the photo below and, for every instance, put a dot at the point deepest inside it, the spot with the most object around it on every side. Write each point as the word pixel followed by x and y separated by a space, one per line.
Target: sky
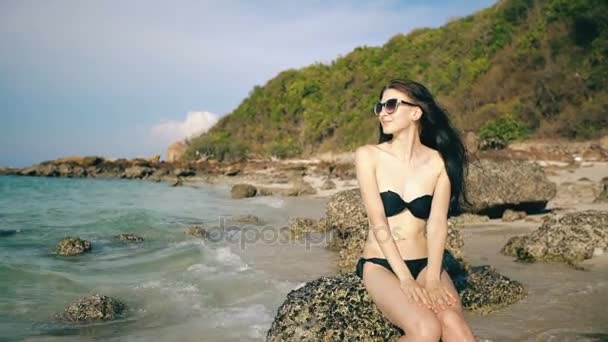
pixel 125 79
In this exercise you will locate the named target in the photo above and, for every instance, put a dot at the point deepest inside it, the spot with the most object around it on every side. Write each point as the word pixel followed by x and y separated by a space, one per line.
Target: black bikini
pixel 393 204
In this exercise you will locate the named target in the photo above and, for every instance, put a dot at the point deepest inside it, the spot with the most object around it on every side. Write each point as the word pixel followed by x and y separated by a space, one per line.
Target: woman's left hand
pixel 439 294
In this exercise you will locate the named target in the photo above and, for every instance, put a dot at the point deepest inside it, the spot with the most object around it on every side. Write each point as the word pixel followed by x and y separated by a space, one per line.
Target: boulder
pixel 197 231
pixel 243 191
pixel 569 238
pixel 465 219
pixel 494 185
pixel 510 215
pixel 129 237
pixel 92 308
pixel 72 246
pixel 328 184
pixel 602 197
pixel 298 226
pixel 339 308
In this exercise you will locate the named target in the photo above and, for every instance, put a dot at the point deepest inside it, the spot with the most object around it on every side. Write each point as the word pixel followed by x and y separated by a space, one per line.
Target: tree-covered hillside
pixel 528 67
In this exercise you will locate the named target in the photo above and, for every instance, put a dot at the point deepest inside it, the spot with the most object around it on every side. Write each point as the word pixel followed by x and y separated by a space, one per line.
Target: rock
pixel 495 185
pixel 93 308
pixel 183 172
pixel 232 171
pixel 465 219
pixel 334 308
pixel 302 187
pixel 602 197
pixel 72 246
pixel 328 185
pixel 487 291
pixel 176 151
pixel 569 238
pixel 299 226
pixel 243 191
pixel 155 158
pixel 513 245
pixel 248 218
pixel 129 237
pixel 339 308
pixel 176 182
pixel 138 172
pixel 28 171
pixel 197 231
pixel 510 215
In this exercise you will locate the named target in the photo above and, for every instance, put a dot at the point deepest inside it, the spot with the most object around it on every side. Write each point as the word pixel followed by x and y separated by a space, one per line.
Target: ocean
pixel 176 287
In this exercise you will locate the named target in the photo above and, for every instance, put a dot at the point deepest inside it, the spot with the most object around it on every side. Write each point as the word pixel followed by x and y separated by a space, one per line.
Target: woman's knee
pixel 453 322
pixel 427 329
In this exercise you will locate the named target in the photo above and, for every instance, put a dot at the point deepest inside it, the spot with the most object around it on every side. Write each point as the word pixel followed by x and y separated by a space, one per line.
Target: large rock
pixel 495 185
pixel 72 246
pixel 243 191
pixel 138 172
pixel 569 238
pixel 299 227
pixel 602 197
pixel 339 308
pixel 92 308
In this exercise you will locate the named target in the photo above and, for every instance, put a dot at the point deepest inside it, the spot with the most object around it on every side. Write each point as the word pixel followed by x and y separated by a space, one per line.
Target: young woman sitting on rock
pixel 410 182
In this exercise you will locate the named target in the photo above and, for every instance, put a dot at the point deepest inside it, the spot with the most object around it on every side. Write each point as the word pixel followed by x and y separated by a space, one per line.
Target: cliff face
pixel 538 67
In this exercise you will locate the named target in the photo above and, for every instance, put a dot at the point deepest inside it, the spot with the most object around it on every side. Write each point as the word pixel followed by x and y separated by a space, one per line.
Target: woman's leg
pixel 418 322
pixel 453 325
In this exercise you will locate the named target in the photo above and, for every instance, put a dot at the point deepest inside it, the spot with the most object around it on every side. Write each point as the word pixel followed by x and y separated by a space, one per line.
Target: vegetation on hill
pixel 520 68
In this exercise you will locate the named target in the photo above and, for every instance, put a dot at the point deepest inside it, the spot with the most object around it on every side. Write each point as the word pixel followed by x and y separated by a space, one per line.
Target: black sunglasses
pixel 390 105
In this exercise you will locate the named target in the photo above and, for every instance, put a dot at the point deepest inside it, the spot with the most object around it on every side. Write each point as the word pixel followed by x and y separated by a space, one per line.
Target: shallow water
pixel 176 287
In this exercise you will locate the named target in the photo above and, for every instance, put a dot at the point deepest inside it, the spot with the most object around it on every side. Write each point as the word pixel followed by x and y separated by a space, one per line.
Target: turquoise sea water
pixel 176 287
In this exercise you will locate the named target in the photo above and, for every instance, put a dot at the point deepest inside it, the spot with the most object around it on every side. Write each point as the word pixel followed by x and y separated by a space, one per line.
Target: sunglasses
pixel 390 105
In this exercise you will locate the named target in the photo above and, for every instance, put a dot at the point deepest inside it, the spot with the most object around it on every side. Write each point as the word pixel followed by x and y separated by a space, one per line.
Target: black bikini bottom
pixel 414 265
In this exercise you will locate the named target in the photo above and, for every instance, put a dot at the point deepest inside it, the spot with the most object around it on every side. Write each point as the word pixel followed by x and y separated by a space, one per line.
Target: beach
pixel 229 289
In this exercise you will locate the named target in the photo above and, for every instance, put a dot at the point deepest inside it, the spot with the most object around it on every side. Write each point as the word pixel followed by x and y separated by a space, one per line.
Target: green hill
pixel 520 68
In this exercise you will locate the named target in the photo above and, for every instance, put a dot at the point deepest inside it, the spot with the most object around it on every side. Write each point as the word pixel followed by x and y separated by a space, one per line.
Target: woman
pixel 410 182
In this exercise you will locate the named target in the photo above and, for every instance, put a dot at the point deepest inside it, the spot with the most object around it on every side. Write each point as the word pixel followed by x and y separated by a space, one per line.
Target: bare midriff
pixel 408 232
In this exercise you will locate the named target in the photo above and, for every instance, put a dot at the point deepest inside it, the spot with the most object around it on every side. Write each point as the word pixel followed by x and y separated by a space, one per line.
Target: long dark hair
pixel 436 131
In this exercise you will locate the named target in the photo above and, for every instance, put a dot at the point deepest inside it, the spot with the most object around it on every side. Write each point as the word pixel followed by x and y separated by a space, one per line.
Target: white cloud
pixel 195 124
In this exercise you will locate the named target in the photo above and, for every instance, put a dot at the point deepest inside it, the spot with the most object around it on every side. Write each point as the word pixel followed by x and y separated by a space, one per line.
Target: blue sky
pixel 128 78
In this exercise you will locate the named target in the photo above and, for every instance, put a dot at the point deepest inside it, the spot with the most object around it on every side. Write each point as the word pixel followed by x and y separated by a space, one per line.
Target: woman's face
pixel 403 117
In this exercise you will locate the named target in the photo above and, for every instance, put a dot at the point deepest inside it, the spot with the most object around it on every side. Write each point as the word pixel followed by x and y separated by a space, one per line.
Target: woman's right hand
pixel 415 292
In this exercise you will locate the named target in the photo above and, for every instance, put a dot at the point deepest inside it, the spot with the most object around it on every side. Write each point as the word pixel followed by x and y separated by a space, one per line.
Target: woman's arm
pixel 437 225
pixel 365 165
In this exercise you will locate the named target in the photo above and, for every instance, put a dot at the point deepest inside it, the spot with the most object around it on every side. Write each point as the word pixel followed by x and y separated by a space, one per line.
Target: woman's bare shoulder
pixel 436 161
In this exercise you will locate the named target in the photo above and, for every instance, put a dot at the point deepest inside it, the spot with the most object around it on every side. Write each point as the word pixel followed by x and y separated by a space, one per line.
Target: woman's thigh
pixel 383 287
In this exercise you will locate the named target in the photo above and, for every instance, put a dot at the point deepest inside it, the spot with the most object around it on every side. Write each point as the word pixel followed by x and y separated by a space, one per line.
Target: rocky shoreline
pixel 510 185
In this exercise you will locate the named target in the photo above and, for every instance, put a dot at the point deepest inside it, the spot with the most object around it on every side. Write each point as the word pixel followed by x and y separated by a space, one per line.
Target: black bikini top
pixel 394 204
